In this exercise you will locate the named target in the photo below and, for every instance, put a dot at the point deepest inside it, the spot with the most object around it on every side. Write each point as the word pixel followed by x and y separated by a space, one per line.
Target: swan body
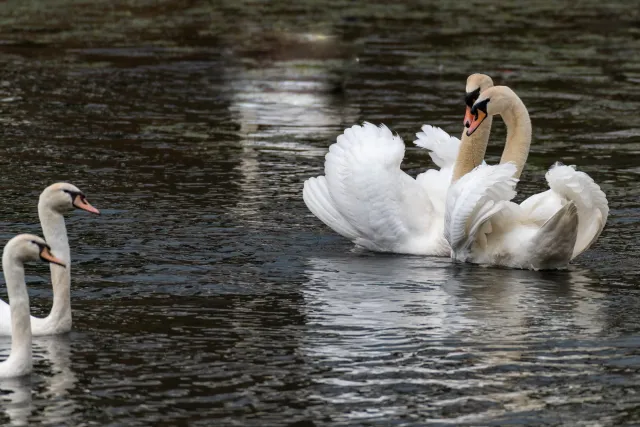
pixel 545 231
pixel 55 200
pixel 366 197
pixel 21 249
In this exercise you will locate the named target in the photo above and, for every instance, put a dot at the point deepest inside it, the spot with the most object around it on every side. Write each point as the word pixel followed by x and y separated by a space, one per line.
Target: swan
pixel 367 198
pixel 54 201
pixel 546 230
pixel 20 249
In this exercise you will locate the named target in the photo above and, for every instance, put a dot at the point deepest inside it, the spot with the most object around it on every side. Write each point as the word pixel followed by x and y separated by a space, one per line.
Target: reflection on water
pixel 386 325
pixel 16 399
pixel 57 354
pixel 207 294
pixel 290 101
pixel 52 387
pixel 282 109
pixel 449 301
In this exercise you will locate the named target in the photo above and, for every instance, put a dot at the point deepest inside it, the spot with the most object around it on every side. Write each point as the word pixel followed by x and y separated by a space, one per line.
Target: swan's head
pixel 476 84
pixel 63 197
pixel 28 247
pixel 495 100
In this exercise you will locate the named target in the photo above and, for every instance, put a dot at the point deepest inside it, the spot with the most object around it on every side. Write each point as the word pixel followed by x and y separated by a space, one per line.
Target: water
pixel 207 294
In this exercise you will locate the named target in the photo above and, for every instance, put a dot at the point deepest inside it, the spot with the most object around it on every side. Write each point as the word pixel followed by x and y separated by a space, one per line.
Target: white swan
pixel 54 201
pixel 20 249
pixel 367 198
pixel 545 231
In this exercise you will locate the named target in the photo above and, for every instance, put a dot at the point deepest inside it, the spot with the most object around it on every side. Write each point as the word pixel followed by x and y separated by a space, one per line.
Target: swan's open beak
pixel 476 122
pixel 468 117
pixel 45 255
pixel 80 202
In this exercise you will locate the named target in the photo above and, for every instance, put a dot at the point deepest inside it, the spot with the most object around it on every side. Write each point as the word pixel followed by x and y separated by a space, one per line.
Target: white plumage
pixel 54 201
pixel 545 231
pixel 548 229
pixel 367 198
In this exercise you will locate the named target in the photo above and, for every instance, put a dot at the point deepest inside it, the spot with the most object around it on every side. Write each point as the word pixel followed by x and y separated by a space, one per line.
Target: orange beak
pixel 468 117
pixel 45 255
pixel 80 202
pixel 476 122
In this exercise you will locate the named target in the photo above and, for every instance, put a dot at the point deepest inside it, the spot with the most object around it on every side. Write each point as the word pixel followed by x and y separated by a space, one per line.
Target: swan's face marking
pixel 469 99
pixel 476 84
pixel 479 114
pixel 79 200
pixel 45 254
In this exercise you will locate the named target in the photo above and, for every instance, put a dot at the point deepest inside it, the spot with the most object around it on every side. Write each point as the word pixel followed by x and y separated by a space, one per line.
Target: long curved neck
pixel 20 356
pixel 472 149
pixel 55 233
pixel 518 124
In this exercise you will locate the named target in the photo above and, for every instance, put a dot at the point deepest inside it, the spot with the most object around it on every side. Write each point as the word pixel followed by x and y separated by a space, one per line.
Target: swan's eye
pixel 41 246
pixel 482 106
pixel 471 97
pixel 74 194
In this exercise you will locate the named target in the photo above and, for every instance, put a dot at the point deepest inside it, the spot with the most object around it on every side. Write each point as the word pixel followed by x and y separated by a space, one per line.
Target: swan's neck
pixel 55 233
pixel 20 357
pixel 518 123
pixel 472 149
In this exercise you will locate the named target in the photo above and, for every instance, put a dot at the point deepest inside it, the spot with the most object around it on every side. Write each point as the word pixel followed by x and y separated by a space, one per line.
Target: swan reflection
pixel 47 389
pixel 442 330
pixel 367 301
pixel 15 399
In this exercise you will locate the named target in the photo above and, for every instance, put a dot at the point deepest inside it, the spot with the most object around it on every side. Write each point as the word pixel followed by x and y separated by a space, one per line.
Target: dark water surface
pixel 207 294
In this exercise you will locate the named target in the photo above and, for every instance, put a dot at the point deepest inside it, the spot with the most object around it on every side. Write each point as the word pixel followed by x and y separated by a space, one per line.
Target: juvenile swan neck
pixel 20 357
pixel 55 233
pixel 516 118
pixel 472 149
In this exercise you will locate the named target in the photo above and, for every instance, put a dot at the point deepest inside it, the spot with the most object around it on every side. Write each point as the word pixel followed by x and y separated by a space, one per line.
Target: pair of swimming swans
pixel 367 198
pixel 545 231
pixel 15 319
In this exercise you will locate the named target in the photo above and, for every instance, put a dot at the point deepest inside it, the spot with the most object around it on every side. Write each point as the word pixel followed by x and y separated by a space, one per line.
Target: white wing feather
pixel 317 198
pixel 366 197
pixel 443 148
pixel 546 231
pixel 474 198
pixel 590 201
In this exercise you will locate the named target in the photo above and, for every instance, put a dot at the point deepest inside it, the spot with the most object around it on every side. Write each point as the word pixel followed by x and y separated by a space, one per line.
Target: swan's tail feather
pixel 317 198
pixel 590 201
pixel 474 199
pixel 443 148
pixel 555 240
